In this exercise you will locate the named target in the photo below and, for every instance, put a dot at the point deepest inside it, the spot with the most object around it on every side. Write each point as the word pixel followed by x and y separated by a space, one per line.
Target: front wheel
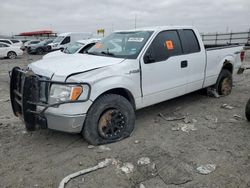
pixel 109 119
pixel 224 83
pixel 11 55
pixel 247 111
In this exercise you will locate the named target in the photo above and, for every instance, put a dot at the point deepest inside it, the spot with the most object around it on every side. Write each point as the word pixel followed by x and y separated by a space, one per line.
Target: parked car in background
pixel 39 48
pixel 80 46
pixel 247 110
pixel 65 39
pixel 97 93
pixel 10 51
pixel 13 42
pixel 31 43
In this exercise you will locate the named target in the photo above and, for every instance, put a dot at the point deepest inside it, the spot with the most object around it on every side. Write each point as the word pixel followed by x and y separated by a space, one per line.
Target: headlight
pixel 62 93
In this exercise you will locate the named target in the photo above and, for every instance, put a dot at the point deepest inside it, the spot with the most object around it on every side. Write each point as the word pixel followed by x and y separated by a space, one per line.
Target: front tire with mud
pixel 224 83
pixel 247 110
pixel 109 119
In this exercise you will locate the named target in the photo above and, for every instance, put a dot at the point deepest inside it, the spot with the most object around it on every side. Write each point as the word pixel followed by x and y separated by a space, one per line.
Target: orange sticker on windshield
pixel 98 45
pixel 169 44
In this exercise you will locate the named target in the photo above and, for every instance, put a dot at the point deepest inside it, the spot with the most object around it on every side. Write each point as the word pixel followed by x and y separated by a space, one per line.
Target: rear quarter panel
pixel 215 60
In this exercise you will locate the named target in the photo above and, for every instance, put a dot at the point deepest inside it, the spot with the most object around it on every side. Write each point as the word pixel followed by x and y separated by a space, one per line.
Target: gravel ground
pixel 214 135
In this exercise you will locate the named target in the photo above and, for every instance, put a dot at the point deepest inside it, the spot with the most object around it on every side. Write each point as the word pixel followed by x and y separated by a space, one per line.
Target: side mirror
pixel 148 58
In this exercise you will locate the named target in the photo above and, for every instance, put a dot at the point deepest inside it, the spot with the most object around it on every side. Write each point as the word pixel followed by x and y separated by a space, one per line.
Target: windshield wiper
pixel 108 53
pixel 91 53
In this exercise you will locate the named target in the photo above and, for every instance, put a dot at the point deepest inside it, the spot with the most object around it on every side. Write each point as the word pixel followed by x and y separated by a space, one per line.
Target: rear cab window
pixel 189 41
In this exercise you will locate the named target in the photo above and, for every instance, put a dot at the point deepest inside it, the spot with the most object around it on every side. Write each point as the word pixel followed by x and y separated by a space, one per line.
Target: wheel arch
pixel 122 92
pixel 228 65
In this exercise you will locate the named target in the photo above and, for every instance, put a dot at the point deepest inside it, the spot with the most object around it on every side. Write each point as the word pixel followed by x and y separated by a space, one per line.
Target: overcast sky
pixel 80 15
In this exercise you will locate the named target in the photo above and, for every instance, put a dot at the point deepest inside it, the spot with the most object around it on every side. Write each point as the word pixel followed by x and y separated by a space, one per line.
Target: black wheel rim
pixel 112 124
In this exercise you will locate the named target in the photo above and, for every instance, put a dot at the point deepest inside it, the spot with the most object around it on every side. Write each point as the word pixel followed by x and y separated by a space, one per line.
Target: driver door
pixel 164 69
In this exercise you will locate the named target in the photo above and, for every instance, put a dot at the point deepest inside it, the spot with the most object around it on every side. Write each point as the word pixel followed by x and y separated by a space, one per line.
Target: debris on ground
pixel 141 185
pixel 184 127
pixel 212 125
pixel 175 172
pixel 173 118
pixel 187 120
pixel 206 169
pixel 194 121
pixel 237 117
pixel 4 100
pixel 90 146
pixel 226 106
pixel 100 165
pixel 103 149
pixel 211 92
pixel 127 168
pixel 143 161
pixel 136 141
pixel 211 118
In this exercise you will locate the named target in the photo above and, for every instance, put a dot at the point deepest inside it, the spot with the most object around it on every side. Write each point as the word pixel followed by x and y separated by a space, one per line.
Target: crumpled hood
pixel 63 66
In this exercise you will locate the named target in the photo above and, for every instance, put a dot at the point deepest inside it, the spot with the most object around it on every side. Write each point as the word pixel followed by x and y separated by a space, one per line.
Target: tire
pixel 247 110
pixel 11 55
pixel 110 118
pixel 39 51
pixel 224 83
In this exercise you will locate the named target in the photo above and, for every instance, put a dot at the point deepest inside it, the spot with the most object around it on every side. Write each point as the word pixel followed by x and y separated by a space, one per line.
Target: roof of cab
pixel 70 33
pixel 157 28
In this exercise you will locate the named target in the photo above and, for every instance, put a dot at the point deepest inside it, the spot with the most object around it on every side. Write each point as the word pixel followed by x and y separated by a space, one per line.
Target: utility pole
pixel 135 20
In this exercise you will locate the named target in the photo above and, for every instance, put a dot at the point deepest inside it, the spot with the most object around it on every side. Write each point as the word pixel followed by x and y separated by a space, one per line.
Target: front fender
pixel 114 82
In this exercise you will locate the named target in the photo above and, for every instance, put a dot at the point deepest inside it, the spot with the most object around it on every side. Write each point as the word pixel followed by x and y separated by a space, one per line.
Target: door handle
pixel 184 64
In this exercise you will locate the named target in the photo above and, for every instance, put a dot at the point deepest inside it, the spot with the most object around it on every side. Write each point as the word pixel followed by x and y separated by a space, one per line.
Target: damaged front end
pixel 30 93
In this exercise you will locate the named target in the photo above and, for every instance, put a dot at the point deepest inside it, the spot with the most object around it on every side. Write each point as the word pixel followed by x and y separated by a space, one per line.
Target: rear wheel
pixel 11 55
pixel 109 119
pixel 224 83
pixel 247 111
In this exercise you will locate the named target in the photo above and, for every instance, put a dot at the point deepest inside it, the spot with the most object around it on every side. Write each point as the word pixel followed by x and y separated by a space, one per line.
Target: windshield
pixel 72 48
pixel 58 39
pixel 122 44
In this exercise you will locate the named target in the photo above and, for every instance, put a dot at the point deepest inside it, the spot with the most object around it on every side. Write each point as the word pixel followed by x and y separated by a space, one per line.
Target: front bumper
pixel 29 99
pixel 65 123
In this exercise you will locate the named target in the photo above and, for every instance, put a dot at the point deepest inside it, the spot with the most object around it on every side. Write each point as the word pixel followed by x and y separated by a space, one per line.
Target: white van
pixel 65 39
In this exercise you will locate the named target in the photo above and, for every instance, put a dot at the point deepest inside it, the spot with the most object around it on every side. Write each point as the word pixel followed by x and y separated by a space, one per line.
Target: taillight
pixel 242 56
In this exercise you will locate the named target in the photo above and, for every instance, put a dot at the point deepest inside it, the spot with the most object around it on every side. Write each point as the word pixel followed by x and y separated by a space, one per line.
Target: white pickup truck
pixel 97 93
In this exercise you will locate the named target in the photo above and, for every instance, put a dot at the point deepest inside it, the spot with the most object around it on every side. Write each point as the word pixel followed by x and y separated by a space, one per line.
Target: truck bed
pixel 219 46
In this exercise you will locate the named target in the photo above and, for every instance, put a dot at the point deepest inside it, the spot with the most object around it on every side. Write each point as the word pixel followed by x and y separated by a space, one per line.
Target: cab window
pixel 189 41
pixel 66 40
pixel 165 45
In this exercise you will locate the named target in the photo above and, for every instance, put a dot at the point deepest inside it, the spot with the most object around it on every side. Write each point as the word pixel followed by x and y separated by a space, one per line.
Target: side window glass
pixel 165 45
pixel 6 41
pixel 66 40
pixel 86 48
pixel 189 41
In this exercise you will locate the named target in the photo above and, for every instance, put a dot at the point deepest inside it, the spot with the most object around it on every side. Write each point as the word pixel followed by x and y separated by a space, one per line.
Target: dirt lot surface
pixel 172 150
